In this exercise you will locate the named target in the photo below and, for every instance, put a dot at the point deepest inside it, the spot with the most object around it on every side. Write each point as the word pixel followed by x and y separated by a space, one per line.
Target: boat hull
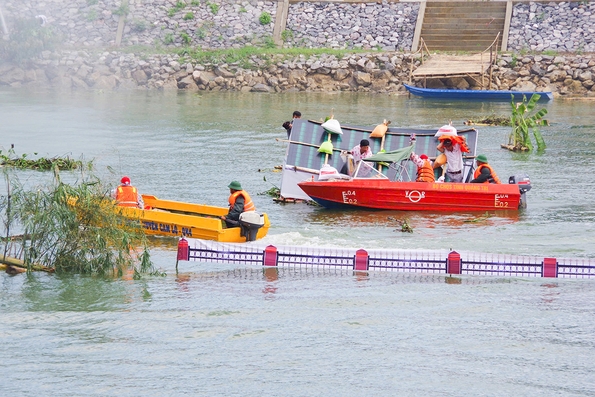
pixel 179 219
pixel 413 196
pixel 476 95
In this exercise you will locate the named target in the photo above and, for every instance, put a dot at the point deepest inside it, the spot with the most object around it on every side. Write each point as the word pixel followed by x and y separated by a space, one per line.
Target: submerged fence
pixel 412 261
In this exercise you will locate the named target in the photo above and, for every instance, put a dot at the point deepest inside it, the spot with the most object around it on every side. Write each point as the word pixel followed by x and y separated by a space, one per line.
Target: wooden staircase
pixel 462 25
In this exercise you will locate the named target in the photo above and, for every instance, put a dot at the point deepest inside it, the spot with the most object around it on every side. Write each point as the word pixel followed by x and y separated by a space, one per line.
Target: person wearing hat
pixel 484 172
pixel 425 172
pixel 239 201
pixel 127 195
pixel 452 147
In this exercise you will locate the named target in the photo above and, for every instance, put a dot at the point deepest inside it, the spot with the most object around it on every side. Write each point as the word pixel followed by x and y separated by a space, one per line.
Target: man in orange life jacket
pixel 127 195
pixel 425 171
pixel 239 201
pixel 484 173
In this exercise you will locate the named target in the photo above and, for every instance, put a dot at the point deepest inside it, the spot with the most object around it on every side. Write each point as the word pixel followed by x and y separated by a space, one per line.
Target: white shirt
pixel 454 158
pixel 357 155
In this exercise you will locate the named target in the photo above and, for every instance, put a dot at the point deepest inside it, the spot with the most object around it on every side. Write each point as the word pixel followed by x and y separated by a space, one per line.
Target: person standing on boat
pixel 361 151
pixel 239 201
pixel 484 172
pixel 425 171
pixel 358 153
pixel 289 124
pixel 452 146
pixel 127 195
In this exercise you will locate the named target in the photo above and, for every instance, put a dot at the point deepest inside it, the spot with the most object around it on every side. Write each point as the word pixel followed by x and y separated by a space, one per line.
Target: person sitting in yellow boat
pixel 239 201
pixel 127 195
pixel 425 172
pixel 484 172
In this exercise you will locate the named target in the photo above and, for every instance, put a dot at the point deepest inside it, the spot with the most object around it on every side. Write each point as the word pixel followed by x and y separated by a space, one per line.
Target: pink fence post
pixel 183 250
pixel 361 261
pixel 270 256
pixel 453 263
pixel 549 268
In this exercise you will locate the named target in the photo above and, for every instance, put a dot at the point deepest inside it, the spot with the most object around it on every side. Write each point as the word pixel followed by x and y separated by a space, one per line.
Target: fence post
pixel 549 268
pixel 361 261
pixel 270 256
pixel 453 263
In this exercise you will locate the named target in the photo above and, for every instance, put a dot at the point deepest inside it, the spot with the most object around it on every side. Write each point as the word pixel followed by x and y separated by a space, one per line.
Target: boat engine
pixel 524 184
pixel 250 222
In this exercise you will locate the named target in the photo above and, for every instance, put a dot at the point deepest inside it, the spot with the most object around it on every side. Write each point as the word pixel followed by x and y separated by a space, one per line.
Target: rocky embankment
pixel 365 72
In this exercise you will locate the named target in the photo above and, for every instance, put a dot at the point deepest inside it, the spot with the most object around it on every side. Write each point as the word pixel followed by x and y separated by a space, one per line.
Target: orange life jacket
pixel 493 178
pixel 248 204
pixel 127 196
pixel 426 173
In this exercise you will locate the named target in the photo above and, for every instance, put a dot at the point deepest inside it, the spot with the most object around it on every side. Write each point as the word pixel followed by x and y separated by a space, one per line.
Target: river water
pixel 227 330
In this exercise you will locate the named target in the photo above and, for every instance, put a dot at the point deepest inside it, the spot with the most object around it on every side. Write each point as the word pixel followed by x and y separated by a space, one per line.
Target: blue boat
pixel 476 95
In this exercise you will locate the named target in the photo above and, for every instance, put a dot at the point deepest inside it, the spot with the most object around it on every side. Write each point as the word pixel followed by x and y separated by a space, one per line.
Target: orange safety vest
pixel 493 178
pixel 127 196
pixel 426 173
pixel 248 204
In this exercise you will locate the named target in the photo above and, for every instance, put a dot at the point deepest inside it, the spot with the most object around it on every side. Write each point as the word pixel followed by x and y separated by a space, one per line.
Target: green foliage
pixel 172 11
pixel 264 18
pixel 168 39
pixel 138 25
pixel 243 56
pixel 242 10
pixel 514 61
pixel 27 40
pixel 10 159
pixel 122 11
pixel 287 35
pixel 195 3
pixel 525 119
pixel 201 33
pixel 185 38
pixel 213 7
pixel 188 16
pixel 268 42
pixel 92 15
pixel 71 229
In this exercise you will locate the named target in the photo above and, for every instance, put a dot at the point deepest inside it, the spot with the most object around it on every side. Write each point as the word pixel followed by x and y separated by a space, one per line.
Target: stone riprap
pixel 386 26
pixel 88 27
pixel 559 27
pixel 366 72
pixel 216 24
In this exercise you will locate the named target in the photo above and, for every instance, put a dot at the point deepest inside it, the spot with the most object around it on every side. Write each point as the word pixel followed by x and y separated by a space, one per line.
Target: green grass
pixel 242 56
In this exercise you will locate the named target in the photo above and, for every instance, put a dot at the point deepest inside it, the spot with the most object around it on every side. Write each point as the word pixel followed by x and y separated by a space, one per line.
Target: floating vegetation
pixel 491 120
pixel 10 159
pixel 405 227
pixel 273 192
pixel 69 229
pixel 482 218
pixel 526 119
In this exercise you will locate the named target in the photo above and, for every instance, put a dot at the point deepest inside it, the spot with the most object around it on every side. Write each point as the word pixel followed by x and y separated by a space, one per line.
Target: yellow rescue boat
pixel 179 219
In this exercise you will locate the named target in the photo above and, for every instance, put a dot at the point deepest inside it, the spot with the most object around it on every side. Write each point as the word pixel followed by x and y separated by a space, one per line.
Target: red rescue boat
pixel 370 188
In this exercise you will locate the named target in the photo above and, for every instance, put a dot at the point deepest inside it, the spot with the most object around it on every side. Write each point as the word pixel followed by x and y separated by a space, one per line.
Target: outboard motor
pixel 250 222
pixel 524 184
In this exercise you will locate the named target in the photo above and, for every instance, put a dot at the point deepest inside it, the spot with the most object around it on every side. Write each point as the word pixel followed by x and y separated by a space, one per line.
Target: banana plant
pixel 525 119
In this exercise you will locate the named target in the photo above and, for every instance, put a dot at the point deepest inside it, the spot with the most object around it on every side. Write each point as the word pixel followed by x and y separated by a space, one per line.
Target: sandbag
pixel 380 130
